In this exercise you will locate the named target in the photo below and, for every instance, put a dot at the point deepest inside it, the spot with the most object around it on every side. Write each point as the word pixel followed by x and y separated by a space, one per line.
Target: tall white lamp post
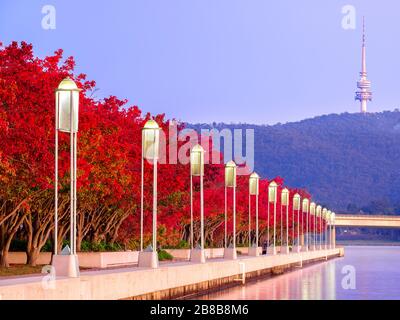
pixel 312 223
pixel 305 209
pixel 197 170
pixel 230 182
pixel 328 223
pixel 253 191
pixel 323 225
pixel 67 115
pixel 296 207
pixel 333 230
pixel 318 224
pixel 272 198
pixel 150 149
pixel 285 202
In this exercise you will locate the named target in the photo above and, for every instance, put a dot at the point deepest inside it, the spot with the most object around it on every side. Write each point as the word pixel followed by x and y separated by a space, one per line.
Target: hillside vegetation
pixel 349 162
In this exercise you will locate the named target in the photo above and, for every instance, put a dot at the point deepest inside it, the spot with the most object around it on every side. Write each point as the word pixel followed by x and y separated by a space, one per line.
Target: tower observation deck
pixel 363 94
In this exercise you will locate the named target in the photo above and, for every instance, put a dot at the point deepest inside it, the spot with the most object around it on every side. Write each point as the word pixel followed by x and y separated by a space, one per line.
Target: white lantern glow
pixel 306 205
pixel 319 208
pixel 312 208
pixel 296 202
pixel 285 197
pixel 67 102
pixel 197 161
pixel 230 174
pixel 254 184
pixel 272 192
pixel 150 140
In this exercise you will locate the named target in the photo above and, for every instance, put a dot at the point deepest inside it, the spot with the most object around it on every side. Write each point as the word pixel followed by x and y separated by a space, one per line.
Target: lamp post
pixel 197 170
pixel 66 120
pixel 319 223
pixel 328 223
pixel 296 207
pixel 285 202
pixel 150 146
pixel 272 198
pixel 323 217
pixel 333 230
pixel 254 180
pixel 305 210
pixel 230 182
pixel 312 222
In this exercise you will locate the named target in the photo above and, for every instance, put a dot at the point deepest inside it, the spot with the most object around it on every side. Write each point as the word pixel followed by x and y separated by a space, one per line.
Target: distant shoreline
pixel 368 243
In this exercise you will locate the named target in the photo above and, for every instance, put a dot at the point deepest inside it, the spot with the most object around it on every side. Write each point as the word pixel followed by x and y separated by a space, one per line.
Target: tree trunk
pixel 97 237
pixel 4 256
pixel 32 256
pixel 78 242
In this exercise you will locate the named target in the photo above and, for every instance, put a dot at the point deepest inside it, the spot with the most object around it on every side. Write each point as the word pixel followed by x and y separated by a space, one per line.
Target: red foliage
pixel 109 153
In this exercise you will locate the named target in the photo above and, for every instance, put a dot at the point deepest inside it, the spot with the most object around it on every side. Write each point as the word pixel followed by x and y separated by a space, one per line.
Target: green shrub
pixel 164 255
pixel 87 246
pixel 48 246
pixel 114 247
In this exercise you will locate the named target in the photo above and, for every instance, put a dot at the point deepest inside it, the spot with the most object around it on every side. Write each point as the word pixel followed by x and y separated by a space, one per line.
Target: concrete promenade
pixel 170 280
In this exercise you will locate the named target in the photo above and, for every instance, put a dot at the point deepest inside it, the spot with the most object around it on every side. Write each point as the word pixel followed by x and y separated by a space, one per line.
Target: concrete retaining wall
pixel 112 259
pixel 21 258
pixel 170 280
pixel 184 254
pixel 86 259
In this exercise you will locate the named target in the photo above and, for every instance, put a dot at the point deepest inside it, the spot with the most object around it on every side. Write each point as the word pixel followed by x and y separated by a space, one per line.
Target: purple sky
pixel 251 61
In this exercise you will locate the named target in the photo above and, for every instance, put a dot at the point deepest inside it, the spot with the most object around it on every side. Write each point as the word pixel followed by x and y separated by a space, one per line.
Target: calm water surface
pixel 377 276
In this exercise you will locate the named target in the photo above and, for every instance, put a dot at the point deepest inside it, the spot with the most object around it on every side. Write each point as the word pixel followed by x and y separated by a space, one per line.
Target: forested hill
pixel 348 161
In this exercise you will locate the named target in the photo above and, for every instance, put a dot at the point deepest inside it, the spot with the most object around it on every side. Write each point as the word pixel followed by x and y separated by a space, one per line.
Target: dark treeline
pixel 349 162
pixel 345 161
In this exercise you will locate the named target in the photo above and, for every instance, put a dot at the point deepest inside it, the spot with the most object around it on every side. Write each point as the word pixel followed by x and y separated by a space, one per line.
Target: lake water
pixel 366 272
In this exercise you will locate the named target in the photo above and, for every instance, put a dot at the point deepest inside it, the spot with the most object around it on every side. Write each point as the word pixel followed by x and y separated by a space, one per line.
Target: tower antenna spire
pixel 363 94
pixel 363 31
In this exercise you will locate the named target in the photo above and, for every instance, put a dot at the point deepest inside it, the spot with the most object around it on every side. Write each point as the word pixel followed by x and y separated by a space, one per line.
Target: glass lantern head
pixel 67 106
pixel 285 197
pixel 312 208
pixel 230 174
pixel 150 140
pixel 306 204
pixel 272 192
pixel 296 202
pixel 197 161
pixel 319 208
pixel 254 184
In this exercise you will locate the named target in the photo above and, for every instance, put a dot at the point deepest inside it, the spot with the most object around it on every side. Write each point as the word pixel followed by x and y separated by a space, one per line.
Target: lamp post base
pixel 197 255
pixel 148 259
pixel 296 249
pixel 230 253
pixel 66 265
pixel 271 250
pixel 285 250
pixel 254 251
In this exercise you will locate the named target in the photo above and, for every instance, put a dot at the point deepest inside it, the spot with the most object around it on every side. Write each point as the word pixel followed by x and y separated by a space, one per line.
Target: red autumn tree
pixel 109 168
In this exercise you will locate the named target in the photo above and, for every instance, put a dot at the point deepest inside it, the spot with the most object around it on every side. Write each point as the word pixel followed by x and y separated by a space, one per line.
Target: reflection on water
pixel 377 277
